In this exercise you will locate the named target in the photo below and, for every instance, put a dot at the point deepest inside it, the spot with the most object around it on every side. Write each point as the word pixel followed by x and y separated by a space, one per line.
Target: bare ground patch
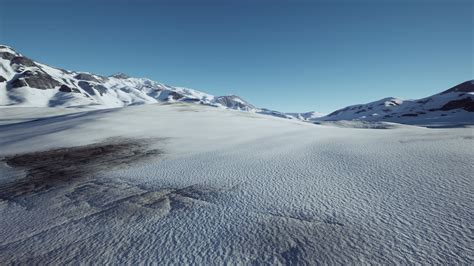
pixel 52 168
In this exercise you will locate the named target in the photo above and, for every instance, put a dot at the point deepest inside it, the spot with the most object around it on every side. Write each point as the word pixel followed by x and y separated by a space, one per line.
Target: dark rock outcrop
pixel 65 88
pixel 120 76
pixel 190 100
pixel 101 89
pixel 234 102
pixel 21 60
pixel 18 83
pixel 175 95
pixel 87 87
pixel 7 55
pixel 87 77
pixel 41 80
pixel 92 89
pixel 466 104
pixel 467 86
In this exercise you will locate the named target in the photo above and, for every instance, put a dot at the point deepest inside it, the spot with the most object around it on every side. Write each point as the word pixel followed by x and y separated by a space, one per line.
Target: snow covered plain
pixel 215 186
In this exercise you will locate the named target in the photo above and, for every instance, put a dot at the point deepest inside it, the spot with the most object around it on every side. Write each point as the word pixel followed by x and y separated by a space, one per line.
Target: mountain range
pixel 25 82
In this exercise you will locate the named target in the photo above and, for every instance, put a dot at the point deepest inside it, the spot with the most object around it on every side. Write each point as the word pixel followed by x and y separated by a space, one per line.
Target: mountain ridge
pixel 452 105
pixel 25 82
pixel 30 83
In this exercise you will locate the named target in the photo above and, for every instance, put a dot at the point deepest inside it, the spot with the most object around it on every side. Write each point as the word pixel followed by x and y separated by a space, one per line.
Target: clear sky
pixel 285 55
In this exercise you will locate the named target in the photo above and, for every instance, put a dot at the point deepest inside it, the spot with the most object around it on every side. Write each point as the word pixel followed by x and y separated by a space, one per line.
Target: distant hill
pixel 455 105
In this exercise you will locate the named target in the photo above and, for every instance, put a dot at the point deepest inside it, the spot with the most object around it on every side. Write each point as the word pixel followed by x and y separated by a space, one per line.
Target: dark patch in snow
pixel 64 166
pixel 7 55
pixel 65 88
pixel 190 100
pixel 197 192
pixel 37 80
pixel 21 60
pixel 291 255
pixel 42 81
pixel 121 76
pixel 87 77
pixel 466 104
pixel 101 89
pixel 467 86
pixel 174 95
pixel 424 101
pixel 18 83
pixel 87 87
pixel 332 221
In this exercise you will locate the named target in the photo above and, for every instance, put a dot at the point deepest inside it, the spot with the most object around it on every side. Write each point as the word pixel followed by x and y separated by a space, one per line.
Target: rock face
pixel 308 116
pixel 6 55
pixel 234 102
pixel 38 80
pixel 87 77
pixel 121 76
pixel 466 104
pixel 467 86
pixel 22 61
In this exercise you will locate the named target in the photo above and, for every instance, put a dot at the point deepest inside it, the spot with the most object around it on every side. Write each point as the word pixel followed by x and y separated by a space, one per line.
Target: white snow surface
pixel 271 191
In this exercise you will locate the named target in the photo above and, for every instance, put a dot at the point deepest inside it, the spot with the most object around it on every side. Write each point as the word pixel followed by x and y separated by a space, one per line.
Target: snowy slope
pixel 253 190
pixel 455 105
pixel 24 82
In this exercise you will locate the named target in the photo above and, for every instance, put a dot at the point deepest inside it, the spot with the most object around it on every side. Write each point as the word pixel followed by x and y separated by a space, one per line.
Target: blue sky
pixel 286 55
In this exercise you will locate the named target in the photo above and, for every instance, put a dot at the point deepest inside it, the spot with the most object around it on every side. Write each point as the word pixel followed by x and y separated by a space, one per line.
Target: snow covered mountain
pixel 308 116
pixel 455 105
pixel 234 102
pixel 29 83
pixel 24 82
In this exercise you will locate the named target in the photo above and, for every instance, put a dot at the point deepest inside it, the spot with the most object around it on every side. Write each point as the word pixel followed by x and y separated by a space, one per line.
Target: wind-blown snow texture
pixel 213 186
pixel 189 183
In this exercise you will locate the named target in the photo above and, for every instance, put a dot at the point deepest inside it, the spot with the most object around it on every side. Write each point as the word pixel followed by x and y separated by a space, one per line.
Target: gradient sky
pixel 285 55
